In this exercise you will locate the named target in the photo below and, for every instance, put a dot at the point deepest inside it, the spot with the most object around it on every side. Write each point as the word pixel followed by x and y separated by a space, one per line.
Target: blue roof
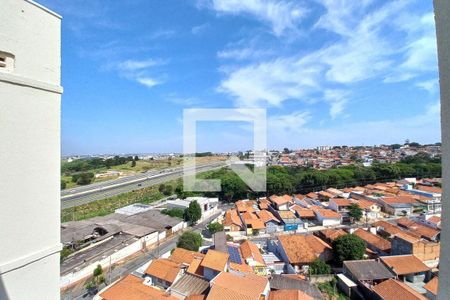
pixel 235 256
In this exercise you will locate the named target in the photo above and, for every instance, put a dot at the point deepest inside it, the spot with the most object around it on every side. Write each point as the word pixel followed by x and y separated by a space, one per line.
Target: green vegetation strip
pixel 109 205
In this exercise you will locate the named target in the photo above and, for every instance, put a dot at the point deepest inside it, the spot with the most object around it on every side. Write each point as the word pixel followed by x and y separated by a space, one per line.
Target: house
pixel 243 206
pixel 232 221
pixel 289 294
pixel 432 221
pixel 133 288
pixel 188 285
pixel 291 222
pixel 213 263
pixel 184 257
pixel 426 251
pixel 432 288
pixel 270 221
pixel 420 230
pixel 397 205
pixel 339 204
pixel 371 210
pixel 374 242
pixel 252 256
pixel 327 217
pixel 234 286
pixel 305 214
pixel 329 235
pixel 407 268
pixel 281 202
pixel 286 282
pixel 394 290
pixel 263 203
pixel 324 196
pixel 299 250
pixel 368 272
pixel 207 205
pixel 252 223
pixel 163 272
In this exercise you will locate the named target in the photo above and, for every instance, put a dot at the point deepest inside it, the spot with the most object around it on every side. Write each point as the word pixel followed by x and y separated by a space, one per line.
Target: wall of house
pixel 30 109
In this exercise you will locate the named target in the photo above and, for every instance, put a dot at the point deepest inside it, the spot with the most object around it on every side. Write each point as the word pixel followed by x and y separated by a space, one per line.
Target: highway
pixel 101 190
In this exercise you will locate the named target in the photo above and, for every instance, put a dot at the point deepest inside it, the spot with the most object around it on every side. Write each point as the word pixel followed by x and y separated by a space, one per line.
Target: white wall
pixel 30 96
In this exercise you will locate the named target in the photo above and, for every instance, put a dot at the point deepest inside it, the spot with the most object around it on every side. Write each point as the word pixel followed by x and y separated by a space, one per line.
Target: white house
pixel 328 217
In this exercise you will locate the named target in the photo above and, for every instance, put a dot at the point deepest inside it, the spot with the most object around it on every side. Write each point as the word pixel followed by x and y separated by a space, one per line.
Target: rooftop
pixel 432 286
pixel 369 269
pixel 230 286
pixel 373 239
pixel 215 260
pixel 394 290
pixel 289 294
pixel 302 249
pixel 164 269
pixel 283 282
pixel 189 285
pixel 404 264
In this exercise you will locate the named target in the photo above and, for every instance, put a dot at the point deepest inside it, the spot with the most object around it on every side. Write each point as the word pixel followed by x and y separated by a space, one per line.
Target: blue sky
pixel 328 72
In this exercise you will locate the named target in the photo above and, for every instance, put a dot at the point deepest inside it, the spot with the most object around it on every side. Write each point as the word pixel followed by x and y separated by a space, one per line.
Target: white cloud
pixel 132 65
pixel 280 15
pixel 147 81
pixel 337 99
pixel 196 30
pixel 429 85
pixel 290 123
pixel 242 53
pixel 139 70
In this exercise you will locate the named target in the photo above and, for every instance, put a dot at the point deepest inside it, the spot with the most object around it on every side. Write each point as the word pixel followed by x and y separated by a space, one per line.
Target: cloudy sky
pixel 329 72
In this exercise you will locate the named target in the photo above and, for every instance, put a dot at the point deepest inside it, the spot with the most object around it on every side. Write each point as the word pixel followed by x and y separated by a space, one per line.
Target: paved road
pixel 79 292
pixel 97 191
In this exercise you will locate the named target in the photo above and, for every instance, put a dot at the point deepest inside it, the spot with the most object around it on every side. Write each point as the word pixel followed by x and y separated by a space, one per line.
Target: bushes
pixel 174 212
pixel 348 247
pixel 190 241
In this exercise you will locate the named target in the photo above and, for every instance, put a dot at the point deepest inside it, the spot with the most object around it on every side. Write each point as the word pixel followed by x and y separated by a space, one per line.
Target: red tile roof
pixel 250 250
pixel 289 295
pixel 215 260
pixel 164 269
pixel 392 289
pixel 302 249
pixel 231 286
pixel 132 288
pixel 404 264
pixel 432 286
pixel 375 240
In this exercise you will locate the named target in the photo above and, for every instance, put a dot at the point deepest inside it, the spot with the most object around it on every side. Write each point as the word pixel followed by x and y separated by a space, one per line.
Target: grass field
pixel 109 205
pixel 141 166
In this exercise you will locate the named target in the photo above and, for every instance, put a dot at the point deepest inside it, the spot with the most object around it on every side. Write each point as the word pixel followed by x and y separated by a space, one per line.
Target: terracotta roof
pixel 388 227
pixel 132 288
pixel 240 267
pixel 392 289
pixel 399 199
pixel 311 195
pixel 250 250
pixel 325 194
pixel 255 224
pixel 195 268
pixel 434 219
pixel 267 216
pixel 341 201
pixel 215 260
pixel 372 239
pixel 404 264
pixel 429 189
pixel 243 206
pixel 249 216
pixel 164 269
pixel 432 286
pixel 289 295
pixel 264 203
pixel 365 204
pixel 181 255
pixel 417 228
pixel 196 297
pixel 303 212
pixel 231 286
pixel 232 218
pixel 328 213
pixel 280 200
pixel 287 214
pixel 333 234
pixel 301 248
pixel 300 196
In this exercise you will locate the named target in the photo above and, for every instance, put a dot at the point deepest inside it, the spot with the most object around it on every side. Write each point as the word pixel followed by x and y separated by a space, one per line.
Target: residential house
pixel 394 290
pixel 407 268
pixel 252 223
pixel 243 206
pixel 324 196
pixel 287 282
pixel 188 285
pixel 184 257
pixel 238 286
pixel 163 272
pixel 426 251
pixel 329 235
pixel 270 221
pixel 339 205
pixel 371 210
pixel 263 203
pixel 305 214
pixel 291 222
pixel 281 202
pixel 368 272
pixel 397 205
pixel 419 229
pixel 232 221
pixel 300 250
pixel 133 288
pixel 432 288
pixel 327 217
pixel 252 256
pixel 213 263
pixel 374 242
pixel 289 294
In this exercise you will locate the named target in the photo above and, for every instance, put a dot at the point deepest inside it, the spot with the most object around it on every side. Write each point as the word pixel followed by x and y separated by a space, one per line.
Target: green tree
pixel 348 247
pixel 63 184
pixel 136 158
pixel 174 212
pixel 355 212
pixel 190 240
pixel 319 267
pixel 215 227
pixel 161 188
pixel 83 178
pixel 168 190
pixel 97 279
pixel 193 212
pixel 133 163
